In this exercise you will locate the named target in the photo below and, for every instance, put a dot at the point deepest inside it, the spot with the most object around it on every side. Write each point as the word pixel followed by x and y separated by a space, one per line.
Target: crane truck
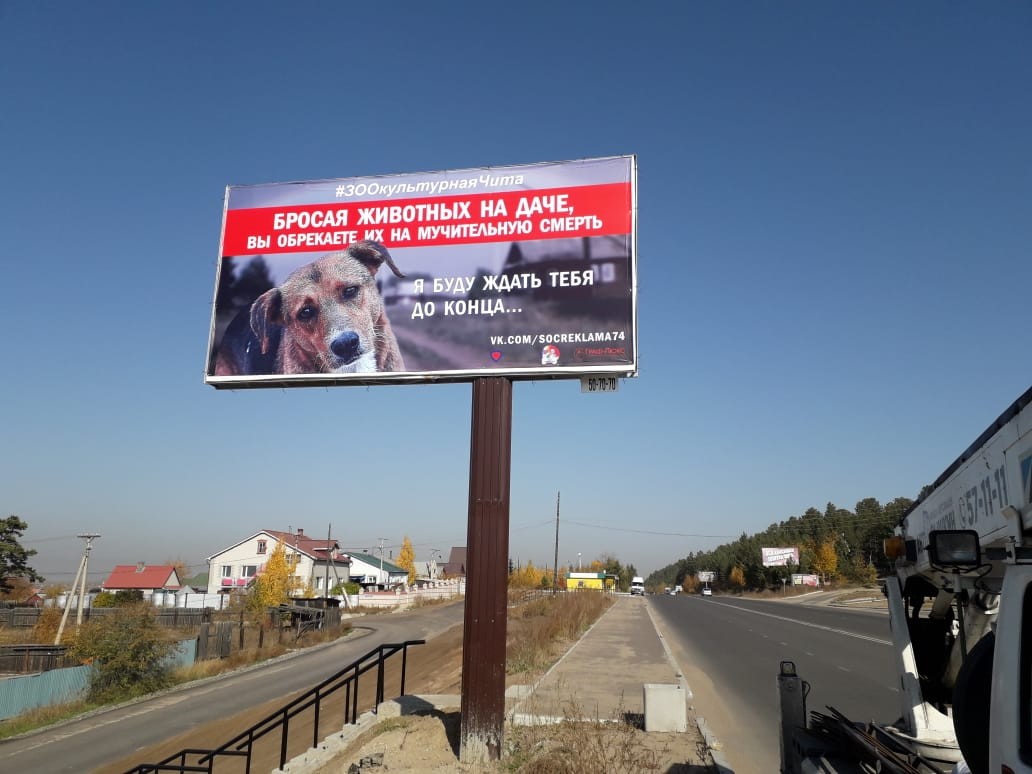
pixel 960 611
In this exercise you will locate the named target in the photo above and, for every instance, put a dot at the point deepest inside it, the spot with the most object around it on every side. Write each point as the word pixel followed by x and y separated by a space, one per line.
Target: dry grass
pixel 44 716
pixel 421 602
pixel 236 660
pixel 549 623
pixel 572 747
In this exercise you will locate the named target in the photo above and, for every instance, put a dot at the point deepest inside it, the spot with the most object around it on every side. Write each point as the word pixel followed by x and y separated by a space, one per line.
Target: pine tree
pixel 13 557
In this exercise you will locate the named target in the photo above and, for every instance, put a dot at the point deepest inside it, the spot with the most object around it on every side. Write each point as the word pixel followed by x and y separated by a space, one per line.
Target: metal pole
pixel 380 576
pixel 555 560
pixel 329 556
pixel 483 636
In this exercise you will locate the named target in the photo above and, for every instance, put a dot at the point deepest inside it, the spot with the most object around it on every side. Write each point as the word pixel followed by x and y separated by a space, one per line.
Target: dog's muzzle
pixel 346 346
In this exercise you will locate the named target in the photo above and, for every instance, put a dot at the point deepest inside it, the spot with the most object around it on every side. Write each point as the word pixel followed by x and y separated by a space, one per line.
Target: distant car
pixel 707 592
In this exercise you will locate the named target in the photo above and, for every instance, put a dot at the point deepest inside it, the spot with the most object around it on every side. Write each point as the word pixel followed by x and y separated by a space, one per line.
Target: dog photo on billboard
pixel 326 317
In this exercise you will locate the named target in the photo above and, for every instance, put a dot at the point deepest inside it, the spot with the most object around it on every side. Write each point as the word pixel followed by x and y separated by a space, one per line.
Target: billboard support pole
pixel 487 549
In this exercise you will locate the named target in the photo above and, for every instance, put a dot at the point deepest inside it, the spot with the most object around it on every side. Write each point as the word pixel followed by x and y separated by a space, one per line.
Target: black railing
pixel 242 745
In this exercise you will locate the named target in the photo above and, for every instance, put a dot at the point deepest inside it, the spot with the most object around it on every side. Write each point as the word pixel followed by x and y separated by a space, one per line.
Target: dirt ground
pixel 429 744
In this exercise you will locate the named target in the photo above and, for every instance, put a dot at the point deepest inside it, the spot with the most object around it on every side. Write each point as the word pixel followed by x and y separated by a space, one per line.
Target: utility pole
pixel 555 561
pixel 382 541
pixel 80 573
pixel 329 557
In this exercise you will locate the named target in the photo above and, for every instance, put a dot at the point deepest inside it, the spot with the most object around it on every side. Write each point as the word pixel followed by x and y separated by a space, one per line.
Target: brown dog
pixel 326 317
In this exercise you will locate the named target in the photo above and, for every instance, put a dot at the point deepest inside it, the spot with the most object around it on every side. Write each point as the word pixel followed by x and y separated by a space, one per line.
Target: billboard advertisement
pixel 779 557
pixel 805 579
pixel 706 576
pixel 524 271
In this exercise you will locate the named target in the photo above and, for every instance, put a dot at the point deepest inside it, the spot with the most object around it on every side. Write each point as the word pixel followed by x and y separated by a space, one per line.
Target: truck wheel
pixel 971 701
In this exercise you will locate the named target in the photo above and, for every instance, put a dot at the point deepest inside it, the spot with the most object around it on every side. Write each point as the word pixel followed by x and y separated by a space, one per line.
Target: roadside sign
pixel 599 384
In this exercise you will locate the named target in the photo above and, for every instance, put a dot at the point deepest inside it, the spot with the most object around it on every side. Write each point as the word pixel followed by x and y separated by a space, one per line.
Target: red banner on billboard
pixel 585 211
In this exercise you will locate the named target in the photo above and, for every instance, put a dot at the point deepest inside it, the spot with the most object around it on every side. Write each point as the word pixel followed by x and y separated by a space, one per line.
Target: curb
pixel 713 745
pixel 316 759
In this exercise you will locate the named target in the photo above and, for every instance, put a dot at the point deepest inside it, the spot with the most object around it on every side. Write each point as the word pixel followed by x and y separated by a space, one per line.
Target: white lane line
pixel 805 623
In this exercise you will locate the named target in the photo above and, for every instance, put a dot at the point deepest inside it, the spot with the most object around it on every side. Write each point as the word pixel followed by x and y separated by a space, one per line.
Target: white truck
pixel 960 610
pixel 638 586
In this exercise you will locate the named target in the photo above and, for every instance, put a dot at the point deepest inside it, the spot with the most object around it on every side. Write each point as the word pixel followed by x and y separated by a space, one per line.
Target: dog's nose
pixel 345 346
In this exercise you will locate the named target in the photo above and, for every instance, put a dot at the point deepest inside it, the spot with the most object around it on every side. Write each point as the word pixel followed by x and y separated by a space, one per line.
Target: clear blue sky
pixel 835 214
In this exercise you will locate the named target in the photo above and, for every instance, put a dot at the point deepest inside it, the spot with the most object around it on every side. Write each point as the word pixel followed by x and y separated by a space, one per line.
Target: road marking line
pixel 806 623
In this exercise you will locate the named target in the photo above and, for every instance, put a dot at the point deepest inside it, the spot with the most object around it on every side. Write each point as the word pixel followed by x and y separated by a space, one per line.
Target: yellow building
pixel 598 581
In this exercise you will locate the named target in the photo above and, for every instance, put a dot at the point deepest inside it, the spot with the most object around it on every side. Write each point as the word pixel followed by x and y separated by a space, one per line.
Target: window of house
pixel 248 571
pixel 261 546
pixel 227 571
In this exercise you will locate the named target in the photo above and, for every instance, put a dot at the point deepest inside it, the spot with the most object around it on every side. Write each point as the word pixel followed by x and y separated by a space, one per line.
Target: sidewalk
pixel 603 674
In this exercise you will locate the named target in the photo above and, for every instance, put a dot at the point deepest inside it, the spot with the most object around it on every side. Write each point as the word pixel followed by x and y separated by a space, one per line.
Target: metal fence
pixel 241 747
pixel 28 692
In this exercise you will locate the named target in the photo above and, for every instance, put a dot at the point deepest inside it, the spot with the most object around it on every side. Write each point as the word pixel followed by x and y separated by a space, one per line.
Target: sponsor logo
pixel 550 355
pixel 582 354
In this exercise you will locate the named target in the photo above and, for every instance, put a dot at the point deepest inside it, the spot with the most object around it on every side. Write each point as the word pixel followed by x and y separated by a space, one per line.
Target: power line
pixel 644 531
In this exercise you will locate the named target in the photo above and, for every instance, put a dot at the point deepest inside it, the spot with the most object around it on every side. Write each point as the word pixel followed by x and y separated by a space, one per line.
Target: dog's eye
pixel 349 292
pixel 306 312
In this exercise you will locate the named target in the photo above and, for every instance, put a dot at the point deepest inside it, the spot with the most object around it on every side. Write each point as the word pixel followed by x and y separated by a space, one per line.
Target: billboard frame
pixel 627 369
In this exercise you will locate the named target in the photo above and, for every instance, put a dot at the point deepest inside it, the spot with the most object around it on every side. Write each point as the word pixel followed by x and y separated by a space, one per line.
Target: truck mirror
pixel 954 548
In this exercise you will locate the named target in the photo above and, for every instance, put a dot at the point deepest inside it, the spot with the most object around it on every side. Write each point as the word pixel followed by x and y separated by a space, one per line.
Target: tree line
pixel 529 576
pixel 834 544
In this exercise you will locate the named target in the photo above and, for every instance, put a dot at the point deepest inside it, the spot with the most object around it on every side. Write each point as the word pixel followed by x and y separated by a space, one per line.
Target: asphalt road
pixel 91 742
pixel 730 650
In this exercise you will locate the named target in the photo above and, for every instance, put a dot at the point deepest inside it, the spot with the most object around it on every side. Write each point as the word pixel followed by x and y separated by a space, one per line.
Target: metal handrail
pixel 242 744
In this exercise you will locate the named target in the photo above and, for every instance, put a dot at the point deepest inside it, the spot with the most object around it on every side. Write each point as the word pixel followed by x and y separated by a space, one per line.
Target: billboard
pixel 523 271
pixel 706 576
pixel 805 579
pixel 779 557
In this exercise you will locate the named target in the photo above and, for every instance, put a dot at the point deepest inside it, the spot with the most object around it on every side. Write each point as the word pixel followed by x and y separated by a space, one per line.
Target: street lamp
pixel 578 561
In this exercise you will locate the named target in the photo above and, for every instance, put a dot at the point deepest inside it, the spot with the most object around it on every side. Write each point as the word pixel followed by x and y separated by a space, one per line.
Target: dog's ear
pixel 372 255
pixel 266 313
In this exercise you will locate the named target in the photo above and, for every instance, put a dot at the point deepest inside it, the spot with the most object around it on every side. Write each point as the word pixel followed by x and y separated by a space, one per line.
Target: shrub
pixel 104 599
pixel 47 624
pixel 129 652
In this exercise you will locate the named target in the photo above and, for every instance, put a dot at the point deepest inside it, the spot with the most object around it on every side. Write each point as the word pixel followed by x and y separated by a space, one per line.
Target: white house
pixel 315 561
pixel 373 572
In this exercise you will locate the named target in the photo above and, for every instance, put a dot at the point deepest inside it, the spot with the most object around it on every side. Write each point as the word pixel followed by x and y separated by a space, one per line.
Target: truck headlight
pixel 954 548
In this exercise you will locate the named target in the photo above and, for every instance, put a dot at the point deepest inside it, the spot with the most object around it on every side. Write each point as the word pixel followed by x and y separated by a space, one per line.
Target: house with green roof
pixel 374 572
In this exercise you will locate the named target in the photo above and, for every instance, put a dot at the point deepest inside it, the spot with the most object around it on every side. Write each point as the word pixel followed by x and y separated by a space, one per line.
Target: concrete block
pixel 666 708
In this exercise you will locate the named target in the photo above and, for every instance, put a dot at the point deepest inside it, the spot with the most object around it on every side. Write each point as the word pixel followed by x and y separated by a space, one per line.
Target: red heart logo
pixel 496 355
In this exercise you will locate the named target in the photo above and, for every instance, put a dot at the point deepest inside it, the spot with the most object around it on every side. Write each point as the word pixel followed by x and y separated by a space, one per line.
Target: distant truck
pixel 638 585
pixel 960 609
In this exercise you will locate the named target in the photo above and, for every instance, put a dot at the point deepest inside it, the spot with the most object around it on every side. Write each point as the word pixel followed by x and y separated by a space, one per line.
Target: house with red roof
pixel 147 579
pixel 319 563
